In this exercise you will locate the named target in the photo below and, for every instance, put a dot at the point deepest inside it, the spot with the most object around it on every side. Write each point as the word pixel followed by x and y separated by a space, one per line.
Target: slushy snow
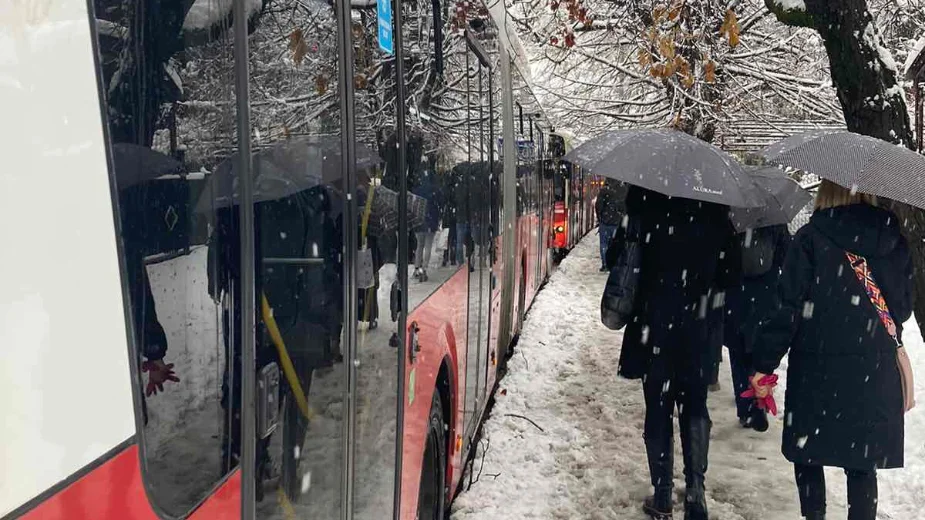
pixel 588 461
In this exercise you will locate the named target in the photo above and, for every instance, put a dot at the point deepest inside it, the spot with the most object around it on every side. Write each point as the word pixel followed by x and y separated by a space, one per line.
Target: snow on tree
pixel 696 65
pixel 868 84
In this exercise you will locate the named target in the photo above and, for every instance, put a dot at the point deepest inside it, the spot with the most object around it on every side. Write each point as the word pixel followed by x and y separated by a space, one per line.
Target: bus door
pixel 480 232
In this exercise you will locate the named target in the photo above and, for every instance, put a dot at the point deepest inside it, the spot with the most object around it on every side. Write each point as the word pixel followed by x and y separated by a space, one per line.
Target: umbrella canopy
pixel 783 197
pixel 136 164
pixel 857 162
pixel 284 169
pixel 669 162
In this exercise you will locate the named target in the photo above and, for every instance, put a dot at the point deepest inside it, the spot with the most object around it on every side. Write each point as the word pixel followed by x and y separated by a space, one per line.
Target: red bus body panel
pixel 114 491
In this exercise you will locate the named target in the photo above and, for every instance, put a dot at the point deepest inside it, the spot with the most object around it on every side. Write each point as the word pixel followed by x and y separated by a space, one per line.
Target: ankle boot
pixel 660 454
pixel 658 506
pixel 695 441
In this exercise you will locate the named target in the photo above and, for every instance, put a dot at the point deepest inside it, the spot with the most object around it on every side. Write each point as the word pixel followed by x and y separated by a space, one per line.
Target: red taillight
pixel 559 226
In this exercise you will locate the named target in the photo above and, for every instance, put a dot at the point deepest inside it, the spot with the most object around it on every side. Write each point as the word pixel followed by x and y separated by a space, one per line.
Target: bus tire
pixel 432 493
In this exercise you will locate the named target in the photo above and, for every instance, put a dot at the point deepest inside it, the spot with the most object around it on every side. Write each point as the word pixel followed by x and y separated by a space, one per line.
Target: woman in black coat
pixel 688 250
pixel 748 307
pixel 844 403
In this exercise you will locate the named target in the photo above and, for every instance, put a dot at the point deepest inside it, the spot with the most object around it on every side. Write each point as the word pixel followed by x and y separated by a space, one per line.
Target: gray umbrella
pixel 284 169
pixel 669 162
pixel 783 196
pixel 857 162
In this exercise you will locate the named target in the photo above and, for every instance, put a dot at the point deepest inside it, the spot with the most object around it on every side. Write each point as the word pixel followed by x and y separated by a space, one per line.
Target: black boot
pixel 658 506
pixel 816 516
pixel 660 453
pixel 695 441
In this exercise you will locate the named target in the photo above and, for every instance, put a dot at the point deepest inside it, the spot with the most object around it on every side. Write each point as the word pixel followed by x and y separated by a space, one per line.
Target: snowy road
pixel 588 460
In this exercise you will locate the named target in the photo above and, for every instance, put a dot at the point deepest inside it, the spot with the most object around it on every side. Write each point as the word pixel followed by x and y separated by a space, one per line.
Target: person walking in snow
pixel 428 190
pixel 610 207
pixel 689 251
pixel 844 400
pixel 748 307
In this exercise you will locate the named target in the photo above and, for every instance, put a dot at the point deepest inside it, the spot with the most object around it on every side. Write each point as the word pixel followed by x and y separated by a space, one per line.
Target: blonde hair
pixel 832 195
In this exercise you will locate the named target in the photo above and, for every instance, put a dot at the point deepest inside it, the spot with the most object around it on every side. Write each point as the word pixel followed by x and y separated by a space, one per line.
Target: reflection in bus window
pixel 150 61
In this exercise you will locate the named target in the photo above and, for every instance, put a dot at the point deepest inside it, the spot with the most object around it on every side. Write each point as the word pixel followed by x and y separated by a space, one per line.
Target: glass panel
pixel 378 304
pixel 299 212
pixel 150 60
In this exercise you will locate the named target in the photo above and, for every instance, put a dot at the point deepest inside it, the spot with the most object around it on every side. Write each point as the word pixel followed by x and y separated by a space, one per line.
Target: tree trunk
pixel 866 79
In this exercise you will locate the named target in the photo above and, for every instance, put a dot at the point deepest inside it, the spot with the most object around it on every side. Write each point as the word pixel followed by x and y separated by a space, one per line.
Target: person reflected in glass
pixel 368 299
pixel 427 188
pixel 844 398
pixel 448 216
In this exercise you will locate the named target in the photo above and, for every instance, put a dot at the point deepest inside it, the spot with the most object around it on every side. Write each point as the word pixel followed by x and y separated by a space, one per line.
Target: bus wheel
pixel 431 497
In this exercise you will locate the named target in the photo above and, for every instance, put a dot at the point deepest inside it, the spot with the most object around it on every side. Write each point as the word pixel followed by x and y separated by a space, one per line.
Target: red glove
pixel 158 374
pixel 762 391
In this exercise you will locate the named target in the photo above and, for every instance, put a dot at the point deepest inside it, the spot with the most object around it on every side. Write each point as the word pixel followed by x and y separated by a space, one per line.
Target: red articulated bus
pixel 574 193
pixel 207 205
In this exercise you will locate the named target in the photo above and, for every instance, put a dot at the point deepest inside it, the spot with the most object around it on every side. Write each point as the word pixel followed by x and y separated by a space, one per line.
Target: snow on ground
pixel 584 457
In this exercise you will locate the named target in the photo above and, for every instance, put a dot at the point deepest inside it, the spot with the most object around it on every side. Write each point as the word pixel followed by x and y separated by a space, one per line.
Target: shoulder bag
pixel 862 270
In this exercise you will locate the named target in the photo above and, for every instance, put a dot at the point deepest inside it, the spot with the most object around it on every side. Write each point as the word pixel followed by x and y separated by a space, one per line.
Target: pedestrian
pixel 748 308
pixel 688 252
pixel 844 400
pixel 610 207
pixel 428 190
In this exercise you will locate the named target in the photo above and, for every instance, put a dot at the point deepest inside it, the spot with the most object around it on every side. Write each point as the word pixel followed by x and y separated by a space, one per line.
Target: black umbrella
pixel 284 169
pixel 783 196
pixel 136 164
pixel 671 163
pixel 857 162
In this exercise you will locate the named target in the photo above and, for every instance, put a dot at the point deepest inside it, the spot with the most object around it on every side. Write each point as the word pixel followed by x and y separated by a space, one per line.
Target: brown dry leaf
pixel 287 132
pixel 734 37
pixel 674 12
pixel 321 84
pixel 687 79
pixel 728 20
pixel 298 46
pixel 657 14
pixel 709 71
pixel 645 58
pixel 666 47
pixel 670 68
pixel 360 82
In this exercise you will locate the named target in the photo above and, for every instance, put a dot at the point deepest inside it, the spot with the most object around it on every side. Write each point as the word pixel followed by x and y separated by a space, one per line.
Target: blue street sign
pixel 384 11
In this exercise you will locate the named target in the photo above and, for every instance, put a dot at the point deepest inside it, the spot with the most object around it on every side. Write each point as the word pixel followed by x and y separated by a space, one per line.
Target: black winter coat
pixel 756 300
pixel 610 205
pixel 844 404
pixel 689 253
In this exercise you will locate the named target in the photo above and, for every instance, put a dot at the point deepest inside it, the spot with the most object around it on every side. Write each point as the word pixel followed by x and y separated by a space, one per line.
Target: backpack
pixel 758 252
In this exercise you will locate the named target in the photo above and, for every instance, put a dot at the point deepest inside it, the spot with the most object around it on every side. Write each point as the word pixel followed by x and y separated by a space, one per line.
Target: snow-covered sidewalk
pixel 584 456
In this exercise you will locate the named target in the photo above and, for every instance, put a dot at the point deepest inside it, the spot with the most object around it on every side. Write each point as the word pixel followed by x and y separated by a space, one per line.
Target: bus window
pixel 299 232
pixel 378 296
pixel 169 75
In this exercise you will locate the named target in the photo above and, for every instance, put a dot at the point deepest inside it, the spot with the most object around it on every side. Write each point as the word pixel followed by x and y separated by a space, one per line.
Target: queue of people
pixel 805 297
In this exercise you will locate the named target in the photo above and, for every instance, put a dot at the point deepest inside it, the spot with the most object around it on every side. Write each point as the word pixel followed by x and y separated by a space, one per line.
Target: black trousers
pixel 670 383
pixel 862 491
